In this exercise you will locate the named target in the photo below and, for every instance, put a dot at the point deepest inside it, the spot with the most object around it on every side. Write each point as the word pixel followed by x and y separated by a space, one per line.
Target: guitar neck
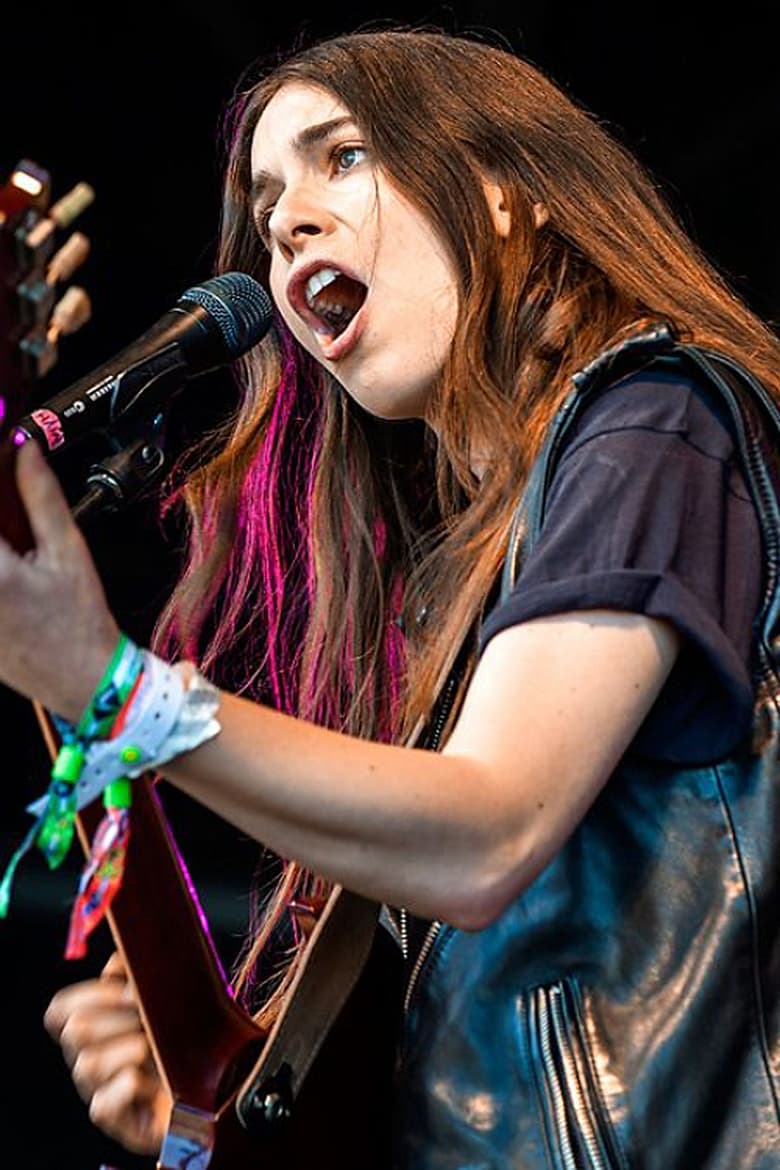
pixel 203 1042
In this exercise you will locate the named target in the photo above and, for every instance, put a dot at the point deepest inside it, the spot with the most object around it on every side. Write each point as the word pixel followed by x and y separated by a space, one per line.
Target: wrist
pixel 171 710
pixel 114 689
pixel 84 676
pixel 91 672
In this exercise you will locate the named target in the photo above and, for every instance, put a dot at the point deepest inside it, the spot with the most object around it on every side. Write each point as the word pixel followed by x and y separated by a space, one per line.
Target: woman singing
pixel 448 241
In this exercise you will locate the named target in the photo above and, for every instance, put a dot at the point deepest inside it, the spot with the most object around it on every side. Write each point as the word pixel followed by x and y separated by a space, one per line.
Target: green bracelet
pixel 100 713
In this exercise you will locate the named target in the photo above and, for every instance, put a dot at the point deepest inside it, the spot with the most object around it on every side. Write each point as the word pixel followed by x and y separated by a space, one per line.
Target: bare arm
pixel 551 708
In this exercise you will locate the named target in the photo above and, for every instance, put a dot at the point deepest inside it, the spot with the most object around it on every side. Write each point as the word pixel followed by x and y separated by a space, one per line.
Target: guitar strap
pixel 330 967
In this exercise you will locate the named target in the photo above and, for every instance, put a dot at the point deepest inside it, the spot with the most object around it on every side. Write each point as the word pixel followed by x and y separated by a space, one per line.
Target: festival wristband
pixel 116 684
pixel 172 712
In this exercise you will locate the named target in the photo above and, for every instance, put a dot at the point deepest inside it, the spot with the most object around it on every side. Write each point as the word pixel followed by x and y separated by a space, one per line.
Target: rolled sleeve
pixel 648 513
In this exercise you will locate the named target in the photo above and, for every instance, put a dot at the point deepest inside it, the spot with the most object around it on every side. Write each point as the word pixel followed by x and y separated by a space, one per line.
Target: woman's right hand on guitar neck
pixel 98 1026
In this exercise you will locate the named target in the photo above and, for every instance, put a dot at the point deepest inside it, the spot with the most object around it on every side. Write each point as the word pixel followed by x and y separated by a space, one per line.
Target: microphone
pixel 210 325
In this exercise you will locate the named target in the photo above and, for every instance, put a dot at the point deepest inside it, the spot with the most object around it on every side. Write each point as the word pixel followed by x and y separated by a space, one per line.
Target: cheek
pixel 276 287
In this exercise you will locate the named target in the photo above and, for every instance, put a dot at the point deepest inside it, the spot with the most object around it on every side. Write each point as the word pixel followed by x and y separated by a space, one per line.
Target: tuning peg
pixel 40 348
pixel 68 258
pixel 38 240
pixel 35 181
pixel 37 295
pixel 27 186
pixel 39 353
pixel 36 299
pixel 70 313
pixel 70 206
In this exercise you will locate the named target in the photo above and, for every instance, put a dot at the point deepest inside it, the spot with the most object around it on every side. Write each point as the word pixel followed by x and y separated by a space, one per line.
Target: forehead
pixel 294 108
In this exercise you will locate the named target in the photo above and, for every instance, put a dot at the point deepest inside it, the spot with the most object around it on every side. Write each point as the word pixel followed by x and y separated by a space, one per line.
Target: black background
pixel 131 100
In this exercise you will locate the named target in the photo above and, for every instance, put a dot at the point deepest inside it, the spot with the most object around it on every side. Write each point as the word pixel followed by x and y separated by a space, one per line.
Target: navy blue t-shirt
pixel 648 512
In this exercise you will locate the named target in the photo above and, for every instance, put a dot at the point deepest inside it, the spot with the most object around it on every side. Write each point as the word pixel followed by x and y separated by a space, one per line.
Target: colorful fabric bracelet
pixel 109 697
pixel 173 711
pixel 53 829
pixel 143 713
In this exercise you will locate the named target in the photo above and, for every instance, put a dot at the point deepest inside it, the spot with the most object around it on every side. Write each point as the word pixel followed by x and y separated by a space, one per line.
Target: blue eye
pixel 347 157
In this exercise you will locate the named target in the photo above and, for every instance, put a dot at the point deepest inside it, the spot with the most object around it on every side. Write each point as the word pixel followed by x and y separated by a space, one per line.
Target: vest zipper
pixel 555 1088
pixel 570 1111
pixel 425 950
pixel 579 1105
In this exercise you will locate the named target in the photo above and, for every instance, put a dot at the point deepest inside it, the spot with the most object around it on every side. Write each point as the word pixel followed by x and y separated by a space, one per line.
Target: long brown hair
pixel 392 520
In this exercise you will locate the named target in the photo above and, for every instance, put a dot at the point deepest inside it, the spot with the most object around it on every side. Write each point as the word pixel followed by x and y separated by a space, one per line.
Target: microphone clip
pixel 135 463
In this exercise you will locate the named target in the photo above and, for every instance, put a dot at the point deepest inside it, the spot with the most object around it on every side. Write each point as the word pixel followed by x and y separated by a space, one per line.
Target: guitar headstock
pixel 38 255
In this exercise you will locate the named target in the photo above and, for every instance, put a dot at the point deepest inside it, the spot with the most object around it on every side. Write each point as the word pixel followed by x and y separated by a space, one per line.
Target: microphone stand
pixel 137 459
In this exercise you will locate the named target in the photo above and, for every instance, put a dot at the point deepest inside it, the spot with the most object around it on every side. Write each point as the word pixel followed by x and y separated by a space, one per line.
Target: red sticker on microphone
pixel 51 426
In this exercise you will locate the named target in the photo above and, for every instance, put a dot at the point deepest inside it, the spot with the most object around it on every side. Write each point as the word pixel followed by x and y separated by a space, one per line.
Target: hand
pixel 104 1044
pixel 57 633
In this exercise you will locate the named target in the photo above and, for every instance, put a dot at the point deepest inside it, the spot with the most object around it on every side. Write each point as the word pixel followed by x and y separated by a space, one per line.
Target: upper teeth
pixel 320 280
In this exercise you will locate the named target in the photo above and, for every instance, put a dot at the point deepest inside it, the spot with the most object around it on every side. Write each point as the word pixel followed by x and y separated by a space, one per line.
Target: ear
pixel 500 214
pixel 541 215
pixel 502 219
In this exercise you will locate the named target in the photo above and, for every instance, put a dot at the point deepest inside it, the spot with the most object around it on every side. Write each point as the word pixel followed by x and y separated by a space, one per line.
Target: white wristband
pixel 172 712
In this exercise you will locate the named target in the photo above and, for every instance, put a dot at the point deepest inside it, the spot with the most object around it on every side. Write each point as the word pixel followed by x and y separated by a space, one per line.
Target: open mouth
pixel 334 298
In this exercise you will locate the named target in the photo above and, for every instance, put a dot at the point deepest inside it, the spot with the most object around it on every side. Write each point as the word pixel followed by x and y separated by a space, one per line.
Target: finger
pixel 84 998
pixel 115 971
pixel 97 1026
pixel 133 1110
pixel 44 501
pixel 114 968
pixel 97 1064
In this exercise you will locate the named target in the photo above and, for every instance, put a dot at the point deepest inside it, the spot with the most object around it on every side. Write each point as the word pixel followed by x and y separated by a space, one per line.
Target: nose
pixel 297 216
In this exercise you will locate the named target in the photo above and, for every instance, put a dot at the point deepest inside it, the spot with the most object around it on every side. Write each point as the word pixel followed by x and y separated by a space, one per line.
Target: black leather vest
pixel 624 1011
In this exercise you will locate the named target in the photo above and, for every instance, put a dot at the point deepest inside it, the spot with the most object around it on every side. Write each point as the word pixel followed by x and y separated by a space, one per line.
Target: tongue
pixel 339 302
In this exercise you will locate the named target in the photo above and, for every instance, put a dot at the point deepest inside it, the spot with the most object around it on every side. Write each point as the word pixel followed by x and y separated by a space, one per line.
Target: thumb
pixel 43 498
pixel 114 968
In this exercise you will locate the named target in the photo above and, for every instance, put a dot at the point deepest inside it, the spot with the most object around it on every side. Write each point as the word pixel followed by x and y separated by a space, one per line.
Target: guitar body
pixel 206 1046
pixel 342 1119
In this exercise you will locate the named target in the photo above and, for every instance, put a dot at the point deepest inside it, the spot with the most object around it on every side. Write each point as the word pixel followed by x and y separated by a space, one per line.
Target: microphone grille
pixel 240 307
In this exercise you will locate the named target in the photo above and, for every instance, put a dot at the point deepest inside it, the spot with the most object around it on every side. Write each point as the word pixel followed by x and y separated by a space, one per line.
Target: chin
pixel 389 412
pixel 391 401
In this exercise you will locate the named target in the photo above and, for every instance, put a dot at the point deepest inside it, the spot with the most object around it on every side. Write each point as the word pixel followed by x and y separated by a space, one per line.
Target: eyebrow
pixel 303 142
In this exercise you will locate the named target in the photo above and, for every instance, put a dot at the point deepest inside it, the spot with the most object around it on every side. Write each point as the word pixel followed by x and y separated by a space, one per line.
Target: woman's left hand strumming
pixel 56 630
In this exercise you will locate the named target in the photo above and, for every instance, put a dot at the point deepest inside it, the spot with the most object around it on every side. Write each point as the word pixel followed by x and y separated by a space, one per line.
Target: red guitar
pixel 238 1100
